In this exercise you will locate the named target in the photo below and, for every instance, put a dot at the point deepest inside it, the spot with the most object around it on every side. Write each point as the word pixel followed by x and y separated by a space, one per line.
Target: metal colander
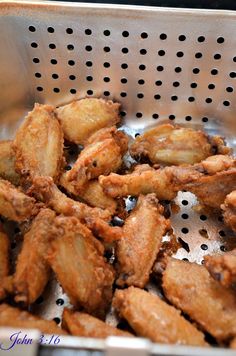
pixel 163 65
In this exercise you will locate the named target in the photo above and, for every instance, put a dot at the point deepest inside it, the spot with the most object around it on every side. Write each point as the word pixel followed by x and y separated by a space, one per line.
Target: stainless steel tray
pixel 163 65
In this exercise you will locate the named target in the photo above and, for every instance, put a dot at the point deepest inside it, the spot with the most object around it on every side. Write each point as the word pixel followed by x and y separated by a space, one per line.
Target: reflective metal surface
pixel 163 65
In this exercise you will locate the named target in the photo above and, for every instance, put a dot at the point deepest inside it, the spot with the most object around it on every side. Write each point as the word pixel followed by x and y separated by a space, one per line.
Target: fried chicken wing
pixel 222 267
pixel 191 288
pixel 233 344
pixel 16 318
pixel 39 144
pixel 32 270
pixel 82 324
pixel 175 145
pixel 7 163
pixel 102 155
pixel 77 259
pixel 211 180
pixel 137 251
pixel 95 218
pixel 81 118
pixel 14 204
pixel 229 210
pixel 4 260
pixel 151 317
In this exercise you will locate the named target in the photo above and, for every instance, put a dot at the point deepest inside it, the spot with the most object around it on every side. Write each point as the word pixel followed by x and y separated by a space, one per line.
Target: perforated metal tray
pixel 163 65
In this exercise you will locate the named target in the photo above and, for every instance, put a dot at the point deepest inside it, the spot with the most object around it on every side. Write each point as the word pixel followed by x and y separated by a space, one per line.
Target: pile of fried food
pixel 66 214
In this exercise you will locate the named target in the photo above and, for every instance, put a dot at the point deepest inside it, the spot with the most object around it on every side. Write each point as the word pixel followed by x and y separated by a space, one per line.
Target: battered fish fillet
pixel 4 260
pixel 137 251
pixel 7 163
pixel 39 144
pixel 151 317
pixel 14 204
pixel 95 218
pixel 16 318
pixel 175 145
pixel 102 155
pixel 77 259
pixel 229 210
pixel 81 118
pixel 32 271
pixel 82 324
pixel 211 180
pixel 191 288
pixel 222 267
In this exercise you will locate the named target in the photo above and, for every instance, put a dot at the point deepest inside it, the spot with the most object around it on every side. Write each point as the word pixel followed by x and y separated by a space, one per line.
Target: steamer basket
pixel 163 65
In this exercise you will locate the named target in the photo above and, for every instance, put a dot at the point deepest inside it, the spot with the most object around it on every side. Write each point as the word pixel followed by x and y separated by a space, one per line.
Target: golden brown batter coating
pixel 77 259
pixel 81 118
pixel 16 318
pixel 95 218
pixel 85 325
pixel 143 232
pixel 173 145
pixel 7 163
pixel 14 204
pixel 39 144
pixel 229 210
pixel 151 317
pixel 102 155
pixel 222 267
pixel 191 288
pixel 4 259
pixel 32 270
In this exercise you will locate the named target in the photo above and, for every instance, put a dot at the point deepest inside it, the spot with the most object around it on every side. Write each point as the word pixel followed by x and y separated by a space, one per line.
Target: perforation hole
pixel 59 301
pixel 188 118
pixel 182 38
pixel 229 89
pixel 106 79
pixel 71 62
pixel 204 247
pixel 88 48
pixel 139 115
pixel 176 84
pixel 171 117
pixel 217 56
pixel 144 35
pixel 57 320
pixel 174 97
pixel 208 100
pixel 125 50
pixel 123 80
pixel 204 119
pixel 184 216
pixel 73 91
pixel 163 36
pixel 38 75
pixel 185 230
pixel 72 77
pixel 125 34
pixel 196 70
pixel 50 29
pixel 53 61
pixel 123 113
pixel 201 39
pixel 203 217
pixel 223 248
pixel 142 67
pixel 158 82
pixel 106 33
pixel 178 69
pixel 90 92
pixel 123 94
pixel 232 74
pixel 157 97
pixel 180 54
pixel 106 65
pixel 89 78
pixel 155 116
pixel 89 64
pixel 191 99
pixel 220 40
pixel 32 28
pixel 226 103
pixel 184 202
pixel 69 31
pixel 56 90
pixel 143 51
pixel 141 81
pixel 124 65
pixel 106 49
pixel 161 52
pixel 193 85
pixel 39 88
pixel 160 68
pixel 140 95
pixel 34 45
pixel 106 93
pixel 36 60
pixel 70 47
pixel 198 55
pixel 55 76
pixel 211 86
pixel 214 71
pixel 88 32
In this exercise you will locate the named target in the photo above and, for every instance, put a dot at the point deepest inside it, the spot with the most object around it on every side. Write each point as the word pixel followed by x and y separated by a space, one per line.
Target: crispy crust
pixel 7 163
pixel 4 260
pixel 191 288
pixel 82 324
pixel 137 251
pixel 39 144
pixel 229 210
pixel 151 317
pixel 77 259
pixel 81 118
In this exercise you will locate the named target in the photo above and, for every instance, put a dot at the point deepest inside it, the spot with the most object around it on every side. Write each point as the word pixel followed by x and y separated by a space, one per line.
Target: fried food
pixel 190 288
pixel 82 324
pixel 137 251
pixel 151 317
pixel 7 163
pixel 32 270
pixel 233 344
pixel 77 259
pixel 4 260
pixel 95 218
pixel 174 145
pixel 16 318
pixel 39 144
pixel 14 204
pixel 211 180
pixel 81 118
pixel 102 155
pixel 229 210
pixel 222 267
